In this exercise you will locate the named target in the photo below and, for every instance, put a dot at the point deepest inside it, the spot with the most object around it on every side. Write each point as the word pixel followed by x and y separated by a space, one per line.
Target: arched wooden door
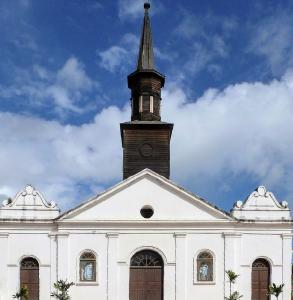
pixel 29 277
pixel 260 279
pixel 146 276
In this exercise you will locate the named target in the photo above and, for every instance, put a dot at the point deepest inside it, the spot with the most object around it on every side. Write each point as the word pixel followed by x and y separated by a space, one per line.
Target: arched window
pixel 205 266
pixel 87 266
pixel 29 277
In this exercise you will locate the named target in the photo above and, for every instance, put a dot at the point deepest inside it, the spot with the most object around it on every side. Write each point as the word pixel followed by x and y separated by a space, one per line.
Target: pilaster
pixel 286 265
pixel 232 248
pixel 3 265
pixel 62 256
pixel 53 259
pixel 112 266
pixel 180 254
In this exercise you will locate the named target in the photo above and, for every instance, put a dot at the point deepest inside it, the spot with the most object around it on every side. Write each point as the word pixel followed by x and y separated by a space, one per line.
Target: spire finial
pixel 147 6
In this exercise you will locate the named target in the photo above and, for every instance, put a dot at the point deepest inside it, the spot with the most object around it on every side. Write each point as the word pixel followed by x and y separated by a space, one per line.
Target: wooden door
pixel 146 277
pixel 260 280
pixel 29 277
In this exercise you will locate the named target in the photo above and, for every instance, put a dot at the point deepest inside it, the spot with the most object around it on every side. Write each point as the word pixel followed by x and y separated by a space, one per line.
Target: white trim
pixel 27 256
pixel 133 179
pixel 269 260
pixel 152 248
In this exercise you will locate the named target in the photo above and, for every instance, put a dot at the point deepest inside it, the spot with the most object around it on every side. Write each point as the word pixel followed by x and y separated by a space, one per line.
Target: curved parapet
pixel 261 205
pixel 28 204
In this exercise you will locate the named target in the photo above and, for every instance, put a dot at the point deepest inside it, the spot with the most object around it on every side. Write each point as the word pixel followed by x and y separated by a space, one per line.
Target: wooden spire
pixel 146 52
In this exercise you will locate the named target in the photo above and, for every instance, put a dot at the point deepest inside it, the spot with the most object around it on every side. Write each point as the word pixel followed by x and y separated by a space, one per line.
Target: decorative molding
pixel 204 283
pixel 112 235
pixel 232 234
pixel 4 235
pixel 260 199
pixel 29 197
pixel 62 234
pixel 261 205
pixel 285 236
pixel 181 235
pixel 86 283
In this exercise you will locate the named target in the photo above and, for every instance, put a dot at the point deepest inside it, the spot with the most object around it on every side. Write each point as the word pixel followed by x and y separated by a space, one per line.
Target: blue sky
pixel 229 91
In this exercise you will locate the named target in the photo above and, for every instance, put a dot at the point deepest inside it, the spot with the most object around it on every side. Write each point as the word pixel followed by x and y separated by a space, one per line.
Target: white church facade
pixel 145 238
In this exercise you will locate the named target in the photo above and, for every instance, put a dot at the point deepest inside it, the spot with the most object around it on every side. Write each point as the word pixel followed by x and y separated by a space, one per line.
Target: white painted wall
pixel 115 248
pixel 112 227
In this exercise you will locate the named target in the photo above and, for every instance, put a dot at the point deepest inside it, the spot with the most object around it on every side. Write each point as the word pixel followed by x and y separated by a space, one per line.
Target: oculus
pixel 147 212
pixel 146 150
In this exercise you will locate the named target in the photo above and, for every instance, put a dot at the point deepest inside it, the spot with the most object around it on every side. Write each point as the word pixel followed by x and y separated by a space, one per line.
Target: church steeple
pixel 146 83
pixel 146 140
pixel 146 51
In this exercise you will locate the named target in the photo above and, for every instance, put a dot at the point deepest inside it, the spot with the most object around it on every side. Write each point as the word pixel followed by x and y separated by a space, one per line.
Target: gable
pixel 125 201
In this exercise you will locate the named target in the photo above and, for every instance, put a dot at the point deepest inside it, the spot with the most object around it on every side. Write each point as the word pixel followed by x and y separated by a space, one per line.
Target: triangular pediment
pixel 147 189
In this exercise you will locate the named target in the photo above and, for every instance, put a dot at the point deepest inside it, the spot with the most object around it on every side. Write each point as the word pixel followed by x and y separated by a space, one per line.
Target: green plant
pixel 276 290
pixel 234 296
pixel 232 276
pixel 62 290
pixel 22 294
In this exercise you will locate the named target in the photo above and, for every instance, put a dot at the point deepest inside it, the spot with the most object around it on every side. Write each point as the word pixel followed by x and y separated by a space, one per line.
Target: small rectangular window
pixel 146 103
pixel 152 104
pixel 140 103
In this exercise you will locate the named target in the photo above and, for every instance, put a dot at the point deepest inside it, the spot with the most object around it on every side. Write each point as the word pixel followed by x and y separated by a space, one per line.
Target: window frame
pixel 79 280
pixel 195 268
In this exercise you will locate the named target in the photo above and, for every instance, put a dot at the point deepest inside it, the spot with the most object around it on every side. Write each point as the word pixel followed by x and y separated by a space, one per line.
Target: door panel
pixel 146 276
pixel 29 277
pixel 260 280
pixel 146 284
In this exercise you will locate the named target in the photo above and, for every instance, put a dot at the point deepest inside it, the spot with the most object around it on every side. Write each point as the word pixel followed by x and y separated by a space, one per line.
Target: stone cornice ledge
pixel 232 234
pixel 57 234
pixel 180 234
pixel 287 236
pixel 4 235
pixel 112 235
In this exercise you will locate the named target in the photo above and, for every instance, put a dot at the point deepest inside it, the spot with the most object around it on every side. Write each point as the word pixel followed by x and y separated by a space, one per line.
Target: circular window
pixel 147 212
pixel 146 150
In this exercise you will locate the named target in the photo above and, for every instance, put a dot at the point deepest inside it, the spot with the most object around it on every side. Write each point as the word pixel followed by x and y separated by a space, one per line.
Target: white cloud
pixel 119 57
pixel 205 39
pixel 272 38
pixel 113 58
pixel 67 88
pixel 243 130
pixel 73 75
pixel 57 158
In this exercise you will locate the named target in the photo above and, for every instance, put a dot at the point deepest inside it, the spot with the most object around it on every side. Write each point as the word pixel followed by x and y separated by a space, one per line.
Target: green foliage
pixel 276 290
pixel 22 294
pixel 234 296
pixel 232 276
pixel 62 290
